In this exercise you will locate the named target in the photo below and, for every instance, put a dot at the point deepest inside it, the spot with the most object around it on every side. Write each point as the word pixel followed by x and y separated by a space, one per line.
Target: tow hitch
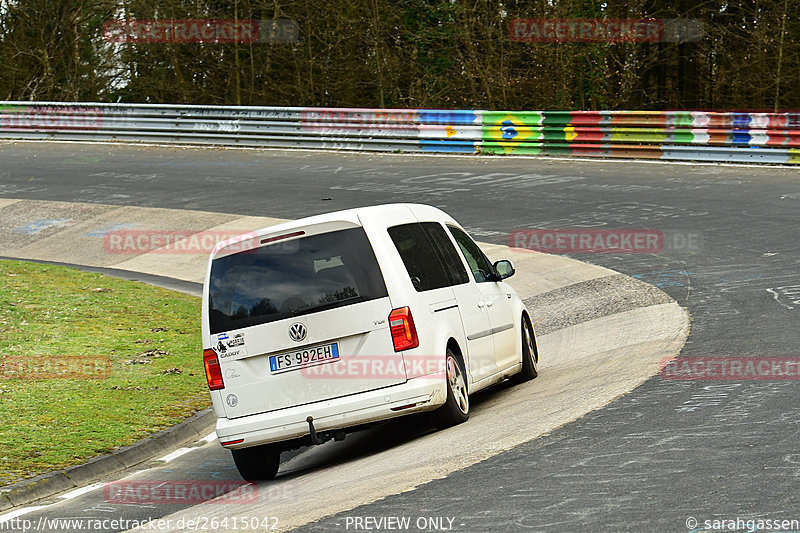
pixel 322 438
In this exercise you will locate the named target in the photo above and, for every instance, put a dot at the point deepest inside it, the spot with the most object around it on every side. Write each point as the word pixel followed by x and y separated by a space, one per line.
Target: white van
pixel 318 327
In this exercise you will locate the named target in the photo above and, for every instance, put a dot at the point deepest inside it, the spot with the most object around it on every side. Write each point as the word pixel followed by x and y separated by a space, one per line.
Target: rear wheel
pixel 530 355
pixel 456 408
pixel 257 463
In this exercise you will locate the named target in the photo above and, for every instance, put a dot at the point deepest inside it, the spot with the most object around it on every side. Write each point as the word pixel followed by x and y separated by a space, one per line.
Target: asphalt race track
pixel 668 453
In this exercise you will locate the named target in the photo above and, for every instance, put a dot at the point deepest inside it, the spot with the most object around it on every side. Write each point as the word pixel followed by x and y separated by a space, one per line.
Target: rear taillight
pixel 404 334
pixel 213 371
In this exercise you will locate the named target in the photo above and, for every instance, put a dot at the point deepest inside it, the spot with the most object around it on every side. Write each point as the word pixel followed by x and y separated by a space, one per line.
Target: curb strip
pixel 30 490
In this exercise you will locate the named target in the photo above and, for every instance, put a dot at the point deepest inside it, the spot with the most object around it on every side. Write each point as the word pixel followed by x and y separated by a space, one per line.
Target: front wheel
pixel 530 355
pixel 257 463
pixel 456 409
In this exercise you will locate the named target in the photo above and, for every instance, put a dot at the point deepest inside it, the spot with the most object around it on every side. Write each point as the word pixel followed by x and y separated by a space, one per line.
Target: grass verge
pixel 89 363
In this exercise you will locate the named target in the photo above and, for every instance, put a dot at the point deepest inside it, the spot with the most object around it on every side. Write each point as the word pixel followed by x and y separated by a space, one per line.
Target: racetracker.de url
pixel 203 523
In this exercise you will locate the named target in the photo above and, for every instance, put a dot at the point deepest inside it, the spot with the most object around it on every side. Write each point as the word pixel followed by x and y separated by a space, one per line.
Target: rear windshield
pixel 294 278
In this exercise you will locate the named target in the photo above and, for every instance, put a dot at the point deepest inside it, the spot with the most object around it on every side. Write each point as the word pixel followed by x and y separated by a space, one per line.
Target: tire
pixel 456 409
pixel 530 354
pixel 257 463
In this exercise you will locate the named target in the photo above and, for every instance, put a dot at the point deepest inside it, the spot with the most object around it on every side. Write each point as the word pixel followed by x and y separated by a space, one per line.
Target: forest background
pixel 405 54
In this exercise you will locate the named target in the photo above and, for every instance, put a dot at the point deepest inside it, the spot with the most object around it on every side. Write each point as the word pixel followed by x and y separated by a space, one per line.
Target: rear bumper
pixel 427 392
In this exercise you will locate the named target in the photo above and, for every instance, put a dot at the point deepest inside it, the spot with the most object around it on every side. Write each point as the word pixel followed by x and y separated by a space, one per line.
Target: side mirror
pixel 504 269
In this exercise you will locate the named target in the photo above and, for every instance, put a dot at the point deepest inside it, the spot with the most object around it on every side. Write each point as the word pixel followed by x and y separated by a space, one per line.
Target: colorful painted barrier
pixel 669 135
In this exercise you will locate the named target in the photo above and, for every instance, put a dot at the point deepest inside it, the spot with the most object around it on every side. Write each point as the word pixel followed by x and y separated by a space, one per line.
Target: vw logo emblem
pixel 297 332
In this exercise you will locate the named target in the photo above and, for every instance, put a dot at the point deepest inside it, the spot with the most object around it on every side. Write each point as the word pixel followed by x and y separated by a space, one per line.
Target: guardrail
pixel 667 135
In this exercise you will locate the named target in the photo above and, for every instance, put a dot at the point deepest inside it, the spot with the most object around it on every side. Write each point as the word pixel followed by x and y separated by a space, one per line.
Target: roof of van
pixel 353 216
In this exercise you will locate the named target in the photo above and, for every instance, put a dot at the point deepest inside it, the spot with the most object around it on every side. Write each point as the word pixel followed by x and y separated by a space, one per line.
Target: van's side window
pixel 428 255
pixel 478 263
pixel 449 254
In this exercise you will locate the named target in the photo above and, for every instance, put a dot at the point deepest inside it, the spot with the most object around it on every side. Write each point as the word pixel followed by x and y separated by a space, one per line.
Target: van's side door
pixel 437 271
pixel 494 298
pixel 481 356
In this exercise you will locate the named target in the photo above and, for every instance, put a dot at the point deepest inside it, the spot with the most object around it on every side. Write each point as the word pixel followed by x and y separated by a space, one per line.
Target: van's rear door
pixel 301 318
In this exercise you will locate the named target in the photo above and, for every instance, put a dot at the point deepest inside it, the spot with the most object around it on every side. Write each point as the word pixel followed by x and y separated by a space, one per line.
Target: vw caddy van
pixel 322 326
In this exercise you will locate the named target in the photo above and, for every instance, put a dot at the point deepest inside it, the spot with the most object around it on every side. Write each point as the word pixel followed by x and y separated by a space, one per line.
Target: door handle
pixel 481 304
pixel 489 304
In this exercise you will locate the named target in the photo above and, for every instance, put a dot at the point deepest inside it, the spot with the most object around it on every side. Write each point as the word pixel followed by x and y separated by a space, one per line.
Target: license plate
pixel 315 355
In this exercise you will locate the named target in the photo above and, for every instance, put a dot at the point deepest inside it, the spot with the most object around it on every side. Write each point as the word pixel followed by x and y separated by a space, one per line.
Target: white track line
pixel 19 512
pixel 174 455
pixel 80 492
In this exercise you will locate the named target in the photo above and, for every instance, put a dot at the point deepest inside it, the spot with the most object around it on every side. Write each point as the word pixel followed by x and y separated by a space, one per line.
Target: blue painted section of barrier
pixel 453 117
pixel 741 120
pixel 461 147
pixel 741 137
